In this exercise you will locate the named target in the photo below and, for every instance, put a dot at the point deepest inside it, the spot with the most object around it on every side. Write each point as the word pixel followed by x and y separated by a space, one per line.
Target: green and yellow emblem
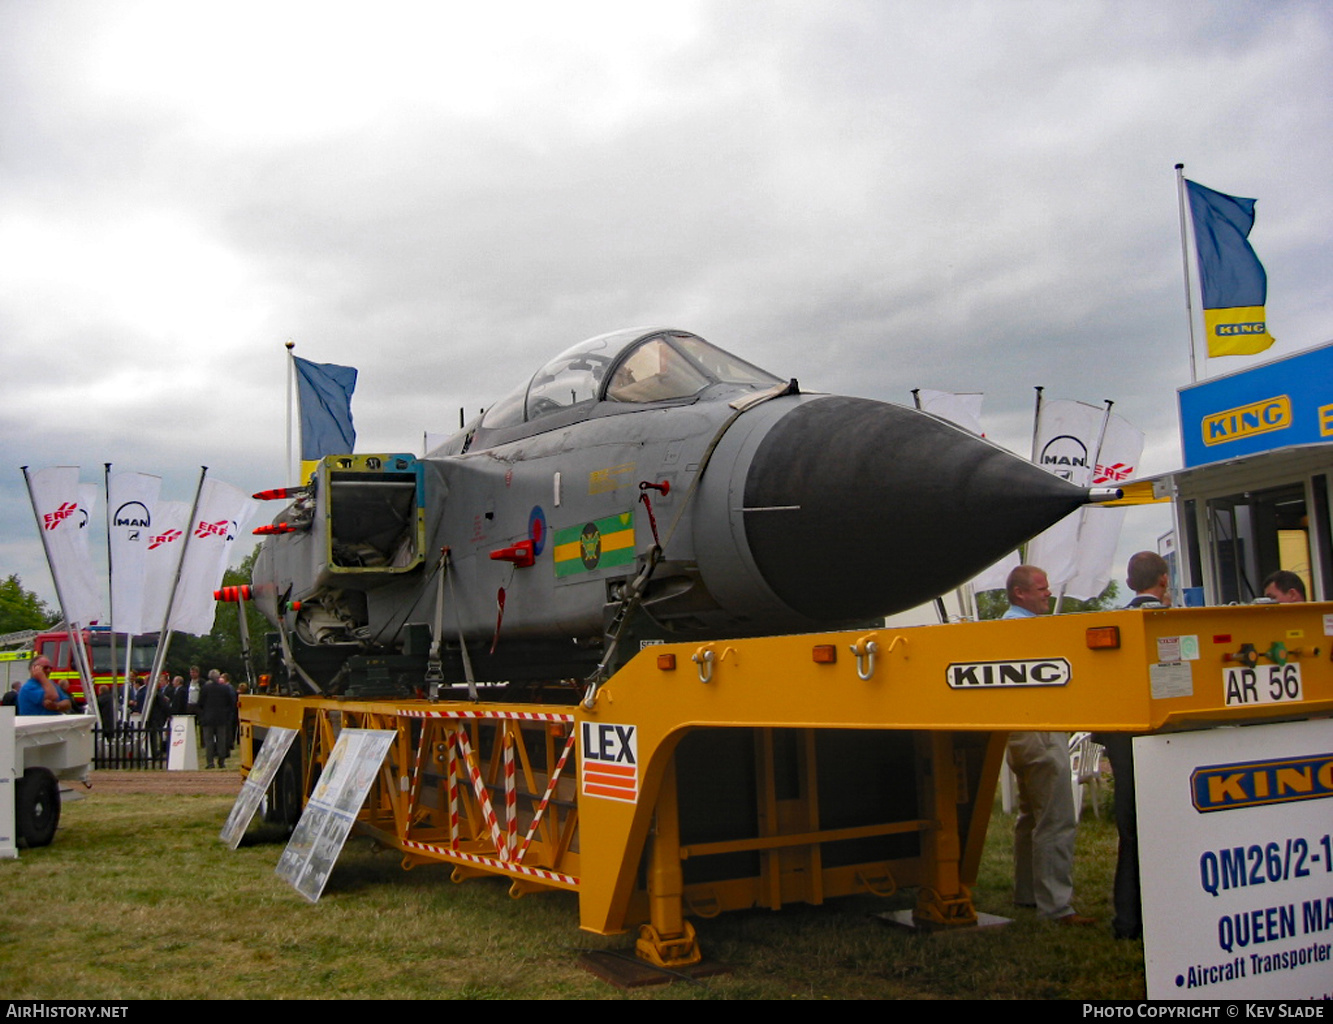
pixel 597 545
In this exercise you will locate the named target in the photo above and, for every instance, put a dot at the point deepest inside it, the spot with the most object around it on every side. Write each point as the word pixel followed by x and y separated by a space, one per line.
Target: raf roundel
pixel 537 529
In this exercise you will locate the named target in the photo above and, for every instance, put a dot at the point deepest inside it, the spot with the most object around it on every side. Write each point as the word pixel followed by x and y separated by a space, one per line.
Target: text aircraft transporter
pixel 595 629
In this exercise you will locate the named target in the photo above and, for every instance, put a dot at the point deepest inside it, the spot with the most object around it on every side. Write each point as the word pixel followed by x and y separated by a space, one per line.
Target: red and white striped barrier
pixel 414 786
pixel 511 716
pixel 479 787
pixel 503 867
pixel 511 799
pixel 546 798
pixel 451 746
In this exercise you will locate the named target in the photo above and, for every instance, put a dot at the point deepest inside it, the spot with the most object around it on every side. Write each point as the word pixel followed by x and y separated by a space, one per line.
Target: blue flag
pixel 325 390
pixel 1231 278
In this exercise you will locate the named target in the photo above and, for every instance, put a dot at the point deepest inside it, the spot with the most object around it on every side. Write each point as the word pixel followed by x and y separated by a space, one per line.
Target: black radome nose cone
pixel 894 507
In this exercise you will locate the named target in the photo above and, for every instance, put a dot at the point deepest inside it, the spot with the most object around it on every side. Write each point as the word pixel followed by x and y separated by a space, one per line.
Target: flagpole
pixel 1036 455
pixel 164 637
pixel 74 634
pixel 1036 423
pixel 110 568
pixel 111 604
pixel 80 653
pixel 125 689
pixel 291 387
pixel 1185 266
pixel 939 602
pixel 1083 512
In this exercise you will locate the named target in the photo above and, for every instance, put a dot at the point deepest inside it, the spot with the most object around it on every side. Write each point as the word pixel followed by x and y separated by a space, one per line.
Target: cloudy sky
pixel 868 196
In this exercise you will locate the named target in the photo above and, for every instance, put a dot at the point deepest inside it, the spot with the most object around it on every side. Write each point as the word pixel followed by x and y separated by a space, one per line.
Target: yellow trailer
pixel 754 773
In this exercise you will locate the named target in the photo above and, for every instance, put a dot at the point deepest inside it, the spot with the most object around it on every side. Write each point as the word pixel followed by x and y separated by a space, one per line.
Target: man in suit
pixel 217 704
pixel 1148 576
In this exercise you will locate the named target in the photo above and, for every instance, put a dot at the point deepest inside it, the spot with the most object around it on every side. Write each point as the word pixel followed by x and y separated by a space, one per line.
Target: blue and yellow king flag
pixel 1231 277
pixel 325 391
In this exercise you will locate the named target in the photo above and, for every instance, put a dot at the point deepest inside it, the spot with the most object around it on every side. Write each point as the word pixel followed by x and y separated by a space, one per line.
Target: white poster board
pixel 332 809
pixel 1236 848
pixel 277 741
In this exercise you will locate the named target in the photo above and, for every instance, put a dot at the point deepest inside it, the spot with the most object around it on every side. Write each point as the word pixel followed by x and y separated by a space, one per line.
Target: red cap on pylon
pixel 274 528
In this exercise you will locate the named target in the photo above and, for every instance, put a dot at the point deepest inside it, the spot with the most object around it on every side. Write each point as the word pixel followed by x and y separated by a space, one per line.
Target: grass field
pixel 138 899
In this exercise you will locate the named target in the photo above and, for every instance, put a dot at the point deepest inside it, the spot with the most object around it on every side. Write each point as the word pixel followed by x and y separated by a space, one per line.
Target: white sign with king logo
pixel 1236 853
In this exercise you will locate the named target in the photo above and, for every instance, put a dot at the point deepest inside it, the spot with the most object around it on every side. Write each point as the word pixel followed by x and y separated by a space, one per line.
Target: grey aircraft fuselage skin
pixel 767 511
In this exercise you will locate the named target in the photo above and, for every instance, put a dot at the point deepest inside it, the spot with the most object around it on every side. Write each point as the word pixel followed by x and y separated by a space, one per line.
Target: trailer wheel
pixel 284 795
pixel 37 807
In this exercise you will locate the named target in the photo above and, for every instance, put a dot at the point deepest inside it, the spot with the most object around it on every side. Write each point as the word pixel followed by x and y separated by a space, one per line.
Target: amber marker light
pixel 666 662
pixel 824 654
pixel 1104 638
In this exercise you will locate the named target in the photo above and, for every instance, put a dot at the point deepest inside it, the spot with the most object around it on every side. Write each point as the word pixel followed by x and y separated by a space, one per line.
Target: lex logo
pixel 610 766
pixel 611 744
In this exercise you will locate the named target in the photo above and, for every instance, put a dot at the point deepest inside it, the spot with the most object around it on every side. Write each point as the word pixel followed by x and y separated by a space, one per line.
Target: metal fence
pixel 128 745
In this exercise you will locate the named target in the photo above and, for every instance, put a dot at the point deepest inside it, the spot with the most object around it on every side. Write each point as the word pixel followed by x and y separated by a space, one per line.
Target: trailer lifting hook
pixel 704 657
pixel 865 650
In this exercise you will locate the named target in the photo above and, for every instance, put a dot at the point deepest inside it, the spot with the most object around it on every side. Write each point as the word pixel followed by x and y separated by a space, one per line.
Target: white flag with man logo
pixel 1077 551
pixel 133 503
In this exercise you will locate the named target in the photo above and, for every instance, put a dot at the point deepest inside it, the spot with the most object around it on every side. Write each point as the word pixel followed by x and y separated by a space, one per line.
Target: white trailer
pixel 36 753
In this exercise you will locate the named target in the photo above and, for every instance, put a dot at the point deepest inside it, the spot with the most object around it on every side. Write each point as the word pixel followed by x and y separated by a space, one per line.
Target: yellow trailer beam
pixel 707 777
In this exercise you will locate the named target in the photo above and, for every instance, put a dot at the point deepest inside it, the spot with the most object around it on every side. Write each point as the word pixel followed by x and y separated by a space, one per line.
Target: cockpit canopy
pixel 631 367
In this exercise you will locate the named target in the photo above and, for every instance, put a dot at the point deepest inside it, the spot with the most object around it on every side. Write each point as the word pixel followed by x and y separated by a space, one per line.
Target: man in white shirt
pixel 1046 827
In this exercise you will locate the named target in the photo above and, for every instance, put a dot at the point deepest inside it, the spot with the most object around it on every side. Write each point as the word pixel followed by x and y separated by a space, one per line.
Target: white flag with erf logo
pixel 223 513
pixel 64 517
pixel 162 553
pixel 132 502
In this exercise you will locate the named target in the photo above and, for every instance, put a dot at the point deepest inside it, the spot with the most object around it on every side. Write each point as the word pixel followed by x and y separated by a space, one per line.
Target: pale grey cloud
pixel 868 196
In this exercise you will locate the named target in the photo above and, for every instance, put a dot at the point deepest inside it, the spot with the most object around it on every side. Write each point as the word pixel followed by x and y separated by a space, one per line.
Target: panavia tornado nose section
pixel 642 485
pixel 845 509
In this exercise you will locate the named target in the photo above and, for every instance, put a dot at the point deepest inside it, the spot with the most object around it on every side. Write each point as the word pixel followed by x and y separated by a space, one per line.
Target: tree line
pixel 21 609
